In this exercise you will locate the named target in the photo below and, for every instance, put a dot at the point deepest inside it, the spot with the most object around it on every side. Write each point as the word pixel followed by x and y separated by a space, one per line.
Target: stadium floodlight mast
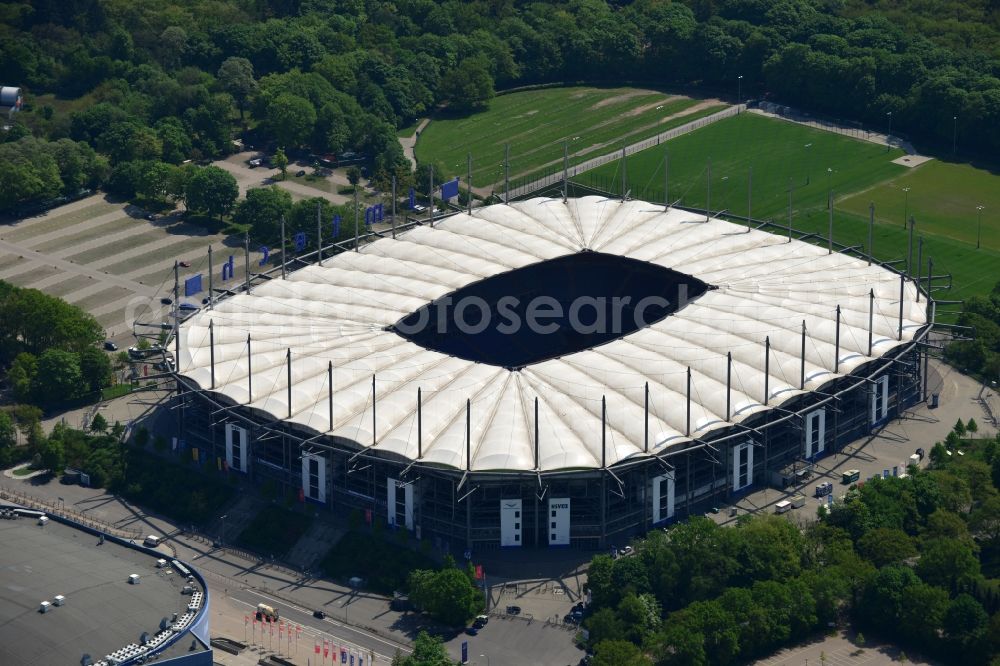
pixel 979 226
pixel 906 205
pixel 739 88
pixel 808 161
pixel 708 198
pixel 871 231
pixel 888 136
pixel 789 210
pixel 954 134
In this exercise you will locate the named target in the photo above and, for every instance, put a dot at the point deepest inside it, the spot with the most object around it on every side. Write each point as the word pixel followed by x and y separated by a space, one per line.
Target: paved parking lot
pixel 107 258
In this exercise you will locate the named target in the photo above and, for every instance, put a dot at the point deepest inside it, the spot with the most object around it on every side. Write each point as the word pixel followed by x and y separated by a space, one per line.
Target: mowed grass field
pixel 536 123
pixel 814 161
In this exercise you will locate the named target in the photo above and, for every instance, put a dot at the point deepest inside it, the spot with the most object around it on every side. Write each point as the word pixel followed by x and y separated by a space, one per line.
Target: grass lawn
pixel 942 199
pixel 536 122
pixel 409 130
pixel 315 182
pixel 274 531
pixel 859 173
pixel 385 564
pixel 24 471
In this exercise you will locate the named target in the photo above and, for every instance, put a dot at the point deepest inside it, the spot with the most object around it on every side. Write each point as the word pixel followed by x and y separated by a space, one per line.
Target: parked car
pixel 110 346
pixel 150 217
pixel 167 301
pixel 513 610
pixel 255 162
pixel 472 631
pixel 184 264
pixel 187 306
pixel 300 173
pixel 627 550
pixel 920 452
pixel 481 621
pixel 318 614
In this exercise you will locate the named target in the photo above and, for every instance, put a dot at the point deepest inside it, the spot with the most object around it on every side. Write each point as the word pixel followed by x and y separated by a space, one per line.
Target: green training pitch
pixel 942 198
pixel 814 162
pixel 535 123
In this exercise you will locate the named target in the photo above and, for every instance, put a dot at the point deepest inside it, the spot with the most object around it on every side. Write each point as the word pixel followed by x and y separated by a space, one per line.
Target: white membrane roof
pixel 766 288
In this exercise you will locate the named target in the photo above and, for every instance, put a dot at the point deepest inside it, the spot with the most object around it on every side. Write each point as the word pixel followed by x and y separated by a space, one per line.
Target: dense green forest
pixel 914 560
pixel 143 82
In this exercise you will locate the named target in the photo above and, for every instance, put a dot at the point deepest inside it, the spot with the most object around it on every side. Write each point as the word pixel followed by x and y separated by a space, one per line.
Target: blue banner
pixel 368 216
pixel 413 199
pixel 449 189
pixel 465 652
pixel 379 212
pixel 336 226
pixel 266 253
pixel 192 285
pixel 300 241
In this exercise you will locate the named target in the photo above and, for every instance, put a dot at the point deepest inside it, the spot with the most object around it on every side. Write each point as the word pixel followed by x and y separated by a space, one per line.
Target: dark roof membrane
pixel 550 309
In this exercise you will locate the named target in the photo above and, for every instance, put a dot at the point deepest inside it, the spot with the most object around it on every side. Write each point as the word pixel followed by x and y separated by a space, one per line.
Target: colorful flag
pixel 317 648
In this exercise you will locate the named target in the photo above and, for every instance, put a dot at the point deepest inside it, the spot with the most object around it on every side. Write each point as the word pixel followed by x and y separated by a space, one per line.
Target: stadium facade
pixel 550 372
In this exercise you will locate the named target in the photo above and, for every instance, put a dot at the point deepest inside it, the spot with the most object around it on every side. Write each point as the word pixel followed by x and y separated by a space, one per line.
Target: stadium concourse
pixel 550 372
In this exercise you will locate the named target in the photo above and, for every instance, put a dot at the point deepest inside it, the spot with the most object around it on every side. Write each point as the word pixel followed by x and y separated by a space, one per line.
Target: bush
pixel 274 531
pixel 385 565
pixel 173 490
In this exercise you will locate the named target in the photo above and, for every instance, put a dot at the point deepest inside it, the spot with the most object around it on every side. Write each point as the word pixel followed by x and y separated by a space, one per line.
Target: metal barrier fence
pixel 40 504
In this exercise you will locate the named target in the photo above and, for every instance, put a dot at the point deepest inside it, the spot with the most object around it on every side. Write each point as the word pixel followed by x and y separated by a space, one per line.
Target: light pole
pixel 739 88
pixel 954 134
pixel 222 537
pixel 906 204
pixel 979 226
pixel 829 187
pixel 889 133
pixel 808 164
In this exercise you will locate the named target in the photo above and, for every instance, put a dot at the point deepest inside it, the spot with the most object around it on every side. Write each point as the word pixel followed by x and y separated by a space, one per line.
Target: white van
pixel 151 541
pixel 782 506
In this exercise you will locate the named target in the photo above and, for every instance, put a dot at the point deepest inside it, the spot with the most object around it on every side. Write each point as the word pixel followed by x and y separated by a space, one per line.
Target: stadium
pixel 550 372
pixel 72 595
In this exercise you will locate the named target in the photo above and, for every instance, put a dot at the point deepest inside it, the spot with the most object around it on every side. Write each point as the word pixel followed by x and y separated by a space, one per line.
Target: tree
pixel 8 434
pixel 291 119
pixel 262 211
pixel 922 613
pixel 959 428
pixel 52 455
pixel 154 179
pixel 948 563
pixel 427 651
pixel 58 378
pixel 618 653
pixel 604 624
pixel 21 376
pixel 235 75
pixel 972 426
pixel 449 595
pixel 98 424
pixel 212 190
pixel 280 160
pixel 354 176
pixel 469 86
pixel 174 137
pixel 965 626
pixel 885 545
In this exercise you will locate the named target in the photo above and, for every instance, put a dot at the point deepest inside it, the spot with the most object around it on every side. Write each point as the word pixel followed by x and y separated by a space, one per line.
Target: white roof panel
pixel 338 313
